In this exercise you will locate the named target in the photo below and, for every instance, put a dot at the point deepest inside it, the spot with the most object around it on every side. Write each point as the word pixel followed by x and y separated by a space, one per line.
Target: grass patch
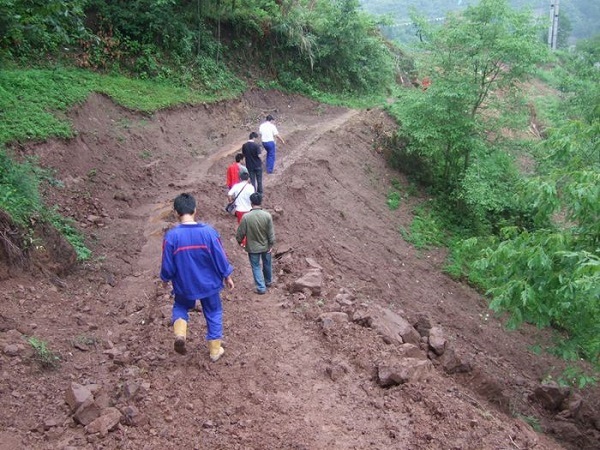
pixel 46 358
pixel 426 229
pixel 393 200
pixel 33 101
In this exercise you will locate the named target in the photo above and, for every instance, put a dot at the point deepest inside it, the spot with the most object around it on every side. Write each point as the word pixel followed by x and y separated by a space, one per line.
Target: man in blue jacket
pixel 194 261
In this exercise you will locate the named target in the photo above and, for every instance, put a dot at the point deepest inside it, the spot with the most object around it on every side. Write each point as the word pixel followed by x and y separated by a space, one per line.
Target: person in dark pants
pixel 251 151
pixel 194 261
pixel 257 228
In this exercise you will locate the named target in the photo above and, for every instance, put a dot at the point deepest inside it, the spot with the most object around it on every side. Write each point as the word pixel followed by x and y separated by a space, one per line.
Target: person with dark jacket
pixel 194 261
pixel 251 151
pixel 257 228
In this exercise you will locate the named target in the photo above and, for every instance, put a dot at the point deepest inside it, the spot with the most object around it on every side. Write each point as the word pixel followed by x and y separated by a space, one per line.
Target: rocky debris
pixel 312 281
pixel 437 341
pixel 392 327
pixel 108 420
pixel 76 395
pixel 453 362
pixel 87 412
pixel 422 325
pixel 133 417
pixel 13 350
pixel 344 297
pixel 550 395
pixel 411 351
pixel 403 371
pixel 313 264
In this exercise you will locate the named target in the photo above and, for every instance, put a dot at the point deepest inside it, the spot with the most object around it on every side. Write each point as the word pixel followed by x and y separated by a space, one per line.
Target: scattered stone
pixel 393 328
pixel 87 412
pixel 408 369
pixel 453 363
pixel 411 351
pixel 437 341
pixel 422 325
pixel 13 349
pixel 311 281
pixel 108 421
pixel 77 395
pixel 313 264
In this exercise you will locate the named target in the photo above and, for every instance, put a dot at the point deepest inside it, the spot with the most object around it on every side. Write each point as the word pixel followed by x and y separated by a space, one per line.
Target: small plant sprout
pixel 43 355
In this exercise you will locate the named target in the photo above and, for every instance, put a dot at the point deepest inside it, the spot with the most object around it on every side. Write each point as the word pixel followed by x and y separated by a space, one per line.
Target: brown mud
pixel 303 366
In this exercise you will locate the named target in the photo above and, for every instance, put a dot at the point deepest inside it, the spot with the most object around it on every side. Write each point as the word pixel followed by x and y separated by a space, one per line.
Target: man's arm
pixel 167 269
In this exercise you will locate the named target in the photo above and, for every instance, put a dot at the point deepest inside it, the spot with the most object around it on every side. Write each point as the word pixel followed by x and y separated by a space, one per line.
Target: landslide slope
pixel 291 377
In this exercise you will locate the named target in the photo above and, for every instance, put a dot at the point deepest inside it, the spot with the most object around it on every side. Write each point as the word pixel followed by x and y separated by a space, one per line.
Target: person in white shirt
pixel 268 133
pixel 241 192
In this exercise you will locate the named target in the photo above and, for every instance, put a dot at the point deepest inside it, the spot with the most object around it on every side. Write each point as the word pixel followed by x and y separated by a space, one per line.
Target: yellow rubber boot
pixel 180 328
pixel 216 351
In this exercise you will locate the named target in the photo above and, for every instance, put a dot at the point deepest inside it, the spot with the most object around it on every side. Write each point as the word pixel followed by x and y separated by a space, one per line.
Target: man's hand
pixel 230 283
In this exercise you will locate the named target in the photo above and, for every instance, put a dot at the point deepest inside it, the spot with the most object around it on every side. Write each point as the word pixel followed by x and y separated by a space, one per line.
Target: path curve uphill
pixel 361 343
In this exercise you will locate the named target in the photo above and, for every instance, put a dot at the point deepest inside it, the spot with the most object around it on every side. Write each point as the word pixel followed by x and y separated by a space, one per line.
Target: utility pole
pixel 553 30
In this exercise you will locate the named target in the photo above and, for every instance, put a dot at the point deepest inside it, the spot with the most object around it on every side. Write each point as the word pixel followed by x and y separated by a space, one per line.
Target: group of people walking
pixel 193 257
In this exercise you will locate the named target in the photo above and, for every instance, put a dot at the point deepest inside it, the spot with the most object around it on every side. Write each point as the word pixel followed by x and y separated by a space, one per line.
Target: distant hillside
pixel 584 15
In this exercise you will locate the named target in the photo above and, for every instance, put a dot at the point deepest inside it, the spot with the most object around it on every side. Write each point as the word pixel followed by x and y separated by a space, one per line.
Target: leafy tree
pixel 550 275
pixel 475 61
pixel 39 26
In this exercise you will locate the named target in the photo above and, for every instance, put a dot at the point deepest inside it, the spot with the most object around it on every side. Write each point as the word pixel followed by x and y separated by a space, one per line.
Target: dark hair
pixel 244 175
pixel 184 204
pixel 239 157
pixel 256 199
pixel 270 117
pixel 253 135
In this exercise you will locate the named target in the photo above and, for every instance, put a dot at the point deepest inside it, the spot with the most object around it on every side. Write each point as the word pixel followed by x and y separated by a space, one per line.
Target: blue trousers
pixel 211 308
pixel 262 277
pixel 270 148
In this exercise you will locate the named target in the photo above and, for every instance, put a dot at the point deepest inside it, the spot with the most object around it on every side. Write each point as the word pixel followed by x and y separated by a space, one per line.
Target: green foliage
pixel 393 200
pixel 460 264
pixel 19 195
pixel 46 358
pixel 28 99
pixel 471 60
pixel 33 28
pixel 583 15
pixel 575 377
pixel 331 46
pixel 66 227
pixel 426 229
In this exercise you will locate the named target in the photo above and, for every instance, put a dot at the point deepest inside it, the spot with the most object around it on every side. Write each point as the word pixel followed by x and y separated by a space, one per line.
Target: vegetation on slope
pixel 531 240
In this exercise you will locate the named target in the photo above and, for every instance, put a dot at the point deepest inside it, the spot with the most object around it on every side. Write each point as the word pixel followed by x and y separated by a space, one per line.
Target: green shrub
pixel 46 358
pixel 426 229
